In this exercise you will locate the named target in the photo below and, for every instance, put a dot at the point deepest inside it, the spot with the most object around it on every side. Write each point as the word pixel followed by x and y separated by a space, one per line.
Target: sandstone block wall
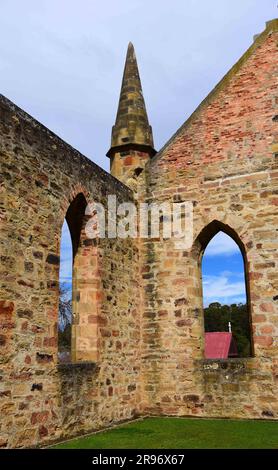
pixel 224 159
pixel 40 400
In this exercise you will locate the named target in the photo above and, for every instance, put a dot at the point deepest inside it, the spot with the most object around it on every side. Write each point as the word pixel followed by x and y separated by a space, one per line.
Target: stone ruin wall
pixel 225 160
pixel 40 400
pixel 138 331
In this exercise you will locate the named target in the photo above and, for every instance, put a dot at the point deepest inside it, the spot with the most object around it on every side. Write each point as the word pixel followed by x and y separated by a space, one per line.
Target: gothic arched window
pixel 68 276
pixel 226 304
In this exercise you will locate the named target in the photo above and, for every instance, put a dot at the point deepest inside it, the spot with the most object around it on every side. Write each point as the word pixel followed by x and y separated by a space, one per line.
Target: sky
pixel 62 62
pixel 65 274
pixel 223 272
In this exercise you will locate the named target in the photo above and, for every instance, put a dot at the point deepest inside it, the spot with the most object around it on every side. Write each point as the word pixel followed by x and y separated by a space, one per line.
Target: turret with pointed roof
pixel 131 133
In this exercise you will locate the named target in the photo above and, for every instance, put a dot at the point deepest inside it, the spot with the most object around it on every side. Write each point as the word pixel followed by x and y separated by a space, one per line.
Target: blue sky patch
pixel 223 272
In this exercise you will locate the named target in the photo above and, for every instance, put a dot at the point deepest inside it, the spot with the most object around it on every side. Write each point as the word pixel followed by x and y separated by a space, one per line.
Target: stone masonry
pixel 138 333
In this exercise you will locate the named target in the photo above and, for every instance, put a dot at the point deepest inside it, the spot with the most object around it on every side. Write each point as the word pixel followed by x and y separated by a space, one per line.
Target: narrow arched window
pixel 65 295
pixel 69 277
pixel 225 294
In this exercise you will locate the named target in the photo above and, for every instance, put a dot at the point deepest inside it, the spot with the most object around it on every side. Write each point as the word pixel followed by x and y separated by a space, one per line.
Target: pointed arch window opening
pixel 69 244
pixel 65 295
pixel 229 316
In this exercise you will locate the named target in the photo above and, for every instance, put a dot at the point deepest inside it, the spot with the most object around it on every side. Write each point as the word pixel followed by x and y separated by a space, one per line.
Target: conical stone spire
pixel 132 127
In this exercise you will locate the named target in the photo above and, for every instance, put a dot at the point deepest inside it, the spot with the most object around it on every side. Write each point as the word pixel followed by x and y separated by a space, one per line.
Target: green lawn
pixel 181 433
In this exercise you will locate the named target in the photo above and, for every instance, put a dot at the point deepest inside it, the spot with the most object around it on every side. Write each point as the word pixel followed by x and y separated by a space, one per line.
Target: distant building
pixel 220 345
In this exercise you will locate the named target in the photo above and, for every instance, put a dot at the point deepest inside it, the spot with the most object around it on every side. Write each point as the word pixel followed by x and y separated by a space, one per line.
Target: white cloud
pixel 65 270
pixel 62 61
pixel 222 244
pixel 65 255
pixel 223 289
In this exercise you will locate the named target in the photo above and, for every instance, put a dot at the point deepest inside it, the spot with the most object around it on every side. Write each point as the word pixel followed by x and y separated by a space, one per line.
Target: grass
pixel 181 433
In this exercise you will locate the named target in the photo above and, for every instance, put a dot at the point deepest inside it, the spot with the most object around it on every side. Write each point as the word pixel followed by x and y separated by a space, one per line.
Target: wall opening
pixel 227 320
pixel 70 247
pixel 65 295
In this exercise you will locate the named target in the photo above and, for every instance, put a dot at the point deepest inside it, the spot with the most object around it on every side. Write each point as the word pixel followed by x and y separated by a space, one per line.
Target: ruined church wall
pixel 225 161
pixel 41 401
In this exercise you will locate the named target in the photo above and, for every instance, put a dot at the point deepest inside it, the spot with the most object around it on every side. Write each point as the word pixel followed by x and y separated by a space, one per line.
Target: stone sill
pixel 222 364
pixel 76 366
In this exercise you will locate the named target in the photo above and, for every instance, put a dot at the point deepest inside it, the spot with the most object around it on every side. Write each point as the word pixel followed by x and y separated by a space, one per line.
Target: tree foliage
pixel 65 319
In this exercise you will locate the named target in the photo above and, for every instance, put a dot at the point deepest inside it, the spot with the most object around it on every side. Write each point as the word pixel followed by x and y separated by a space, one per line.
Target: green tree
pixel 64 319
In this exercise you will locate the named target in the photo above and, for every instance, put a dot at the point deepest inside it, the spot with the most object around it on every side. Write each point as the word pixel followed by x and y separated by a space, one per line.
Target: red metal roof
pixel 218 345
